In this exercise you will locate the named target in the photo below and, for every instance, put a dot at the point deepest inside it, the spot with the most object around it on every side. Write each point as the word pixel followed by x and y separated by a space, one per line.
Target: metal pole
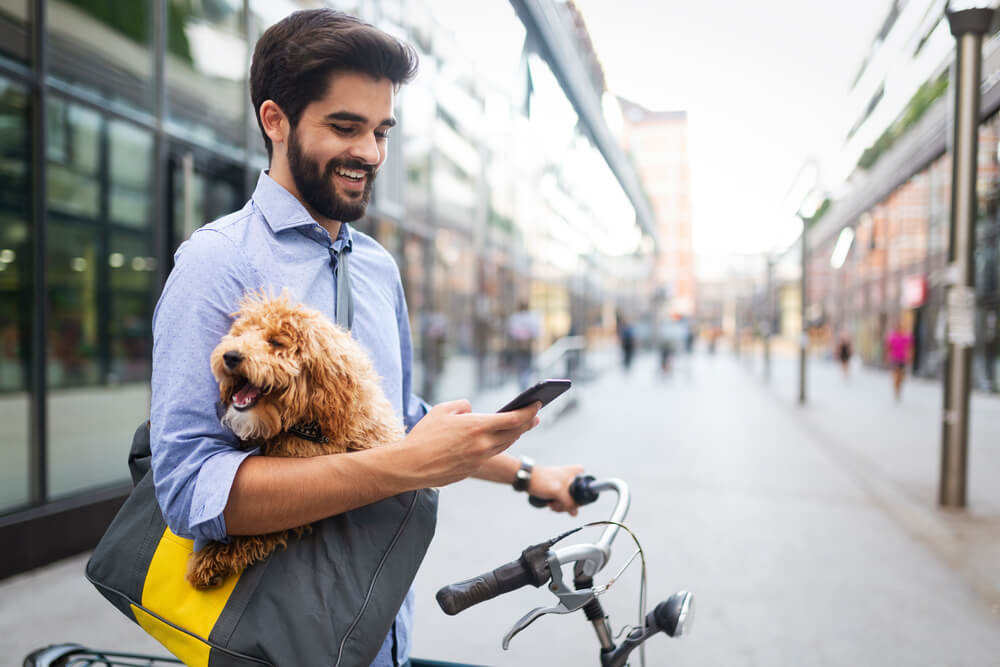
pixel 38 491
pixel 804 337
pixel 769 315
pixel 968 27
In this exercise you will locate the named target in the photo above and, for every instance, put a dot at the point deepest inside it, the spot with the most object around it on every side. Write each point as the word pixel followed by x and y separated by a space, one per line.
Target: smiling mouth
pixel 247 396
pixel 351 175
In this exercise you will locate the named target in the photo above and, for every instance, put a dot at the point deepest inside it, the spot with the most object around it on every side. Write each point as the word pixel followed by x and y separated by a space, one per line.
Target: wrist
pixel 522 478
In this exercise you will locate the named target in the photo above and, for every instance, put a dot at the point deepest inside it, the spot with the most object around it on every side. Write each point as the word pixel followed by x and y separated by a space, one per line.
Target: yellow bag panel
pixel 168 594
pixel 191 651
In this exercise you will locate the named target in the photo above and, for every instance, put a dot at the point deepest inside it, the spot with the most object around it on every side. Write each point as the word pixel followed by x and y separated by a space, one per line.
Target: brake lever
pixel 569 601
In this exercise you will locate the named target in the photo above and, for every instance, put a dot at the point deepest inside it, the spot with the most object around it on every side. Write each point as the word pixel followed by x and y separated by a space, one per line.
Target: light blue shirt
pixel 271 243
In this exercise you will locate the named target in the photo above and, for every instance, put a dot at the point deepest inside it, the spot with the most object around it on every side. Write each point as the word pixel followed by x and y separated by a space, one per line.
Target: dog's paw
pixel 202 576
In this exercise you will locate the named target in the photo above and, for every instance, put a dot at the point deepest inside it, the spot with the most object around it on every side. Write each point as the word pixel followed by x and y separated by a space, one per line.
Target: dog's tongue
pixel 246 394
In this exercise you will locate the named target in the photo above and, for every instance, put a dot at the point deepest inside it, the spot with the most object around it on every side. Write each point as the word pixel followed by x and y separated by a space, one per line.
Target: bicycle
pixel 539 565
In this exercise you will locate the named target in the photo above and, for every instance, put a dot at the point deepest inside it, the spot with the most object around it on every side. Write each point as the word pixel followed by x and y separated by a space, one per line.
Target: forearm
pixel 551 483
pixel 502 469
pixel 449 444
pixel 271 494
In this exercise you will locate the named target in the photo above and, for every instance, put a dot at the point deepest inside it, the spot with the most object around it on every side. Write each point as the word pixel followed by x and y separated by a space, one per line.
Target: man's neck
pixel 284 178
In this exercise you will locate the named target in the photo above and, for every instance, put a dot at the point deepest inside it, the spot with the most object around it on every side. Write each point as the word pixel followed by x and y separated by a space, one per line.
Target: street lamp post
pixel 769 317
pixel 804 336
pixel 968 21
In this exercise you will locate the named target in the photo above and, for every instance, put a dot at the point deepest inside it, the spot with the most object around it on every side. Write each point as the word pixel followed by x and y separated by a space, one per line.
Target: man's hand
pixel 553 482
pixel 451 442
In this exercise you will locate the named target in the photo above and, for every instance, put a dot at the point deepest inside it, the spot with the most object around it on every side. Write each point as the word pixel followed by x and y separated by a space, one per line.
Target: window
pixel 15 293
pixel 101 272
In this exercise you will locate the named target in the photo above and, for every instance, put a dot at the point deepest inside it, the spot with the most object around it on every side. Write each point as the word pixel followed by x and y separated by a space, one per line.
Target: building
pixel 658 143
pixel 893 198
pixel 125 126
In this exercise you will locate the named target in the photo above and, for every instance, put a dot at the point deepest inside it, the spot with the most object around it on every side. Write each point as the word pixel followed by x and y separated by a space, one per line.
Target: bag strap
pixel 140 455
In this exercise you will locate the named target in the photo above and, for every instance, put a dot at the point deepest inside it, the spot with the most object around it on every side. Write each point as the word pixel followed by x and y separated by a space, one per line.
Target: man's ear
pixel 274 121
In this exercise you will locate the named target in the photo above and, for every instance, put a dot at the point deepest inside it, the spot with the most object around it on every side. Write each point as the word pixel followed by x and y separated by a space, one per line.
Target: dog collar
pixel 308 431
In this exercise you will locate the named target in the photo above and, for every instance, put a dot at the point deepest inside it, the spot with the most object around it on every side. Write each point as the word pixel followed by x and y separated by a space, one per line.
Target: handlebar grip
pixel 454 598
pixel 579 490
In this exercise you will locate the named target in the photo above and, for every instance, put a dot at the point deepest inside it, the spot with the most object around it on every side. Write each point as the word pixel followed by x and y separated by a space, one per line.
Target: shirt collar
pixel 281 211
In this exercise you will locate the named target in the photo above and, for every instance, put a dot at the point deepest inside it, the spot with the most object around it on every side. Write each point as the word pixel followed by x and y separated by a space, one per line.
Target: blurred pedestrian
pixel 524 327
pixel 627 336
pixel 713 335
pixel 433 347
pixel 675 341
pixel 666 344
pixel 898 343
pixel 844 351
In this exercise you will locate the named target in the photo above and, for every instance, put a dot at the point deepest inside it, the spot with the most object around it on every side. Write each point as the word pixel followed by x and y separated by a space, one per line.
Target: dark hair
pixel 295 57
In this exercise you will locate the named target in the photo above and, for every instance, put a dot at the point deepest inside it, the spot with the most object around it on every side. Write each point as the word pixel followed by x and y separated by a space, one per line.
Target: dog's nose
pixel 232 359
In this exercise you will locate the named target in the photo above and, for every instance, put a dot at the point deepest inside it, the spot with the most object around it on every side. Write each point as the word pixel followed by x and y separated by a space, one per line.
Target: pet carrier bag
pixel 330 598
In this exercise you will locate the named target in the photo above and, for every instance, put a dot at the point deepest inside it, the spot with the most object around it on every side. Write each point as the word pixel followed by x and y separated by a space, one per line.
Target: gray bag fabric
pixel 328 599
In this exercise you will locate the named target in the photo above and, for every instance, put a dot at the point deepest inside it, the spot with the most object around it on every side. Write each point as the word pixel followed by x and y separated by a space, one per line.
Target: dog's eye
pixel 275 342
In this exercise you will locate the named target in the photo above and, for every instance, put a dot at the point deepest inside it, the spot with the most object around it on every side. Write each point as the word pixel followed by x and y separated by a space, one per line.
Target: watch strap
pixel 523 477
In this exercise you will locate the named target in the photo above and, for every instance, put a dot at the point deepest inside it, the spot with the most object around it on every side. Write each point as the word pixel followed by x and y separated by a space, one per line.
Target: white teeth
pixel 357 175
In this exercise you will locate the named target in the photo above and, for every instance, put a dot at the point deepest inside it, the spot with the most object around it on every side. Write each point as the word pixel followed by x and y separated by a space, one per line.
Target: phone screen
pixel 545 391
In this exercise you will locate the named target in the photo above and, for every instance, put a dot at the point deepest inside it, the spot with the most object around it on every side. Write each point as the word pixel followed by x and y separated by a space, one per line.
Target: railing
pixel 564 358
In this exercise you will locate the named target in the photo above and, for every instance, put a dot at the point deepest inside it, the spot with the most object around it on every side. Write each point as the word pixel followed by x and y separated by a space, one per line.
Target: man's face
pixel 339 143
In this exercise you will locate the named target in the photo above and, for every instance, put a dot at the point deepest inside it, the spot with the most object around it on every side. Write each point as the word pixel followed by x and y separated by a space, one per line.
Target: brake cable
pixel 600 590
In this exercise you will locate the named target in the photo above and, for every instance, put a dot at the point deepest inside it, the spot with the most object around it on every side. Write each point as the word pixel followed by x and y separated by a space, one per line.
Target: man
pixel 323 87
pixel 524 327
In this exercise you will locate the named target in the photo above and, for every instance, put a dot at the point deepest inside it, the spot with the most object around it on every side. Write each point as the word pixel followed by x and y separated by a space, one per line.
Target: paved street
pixel 809 536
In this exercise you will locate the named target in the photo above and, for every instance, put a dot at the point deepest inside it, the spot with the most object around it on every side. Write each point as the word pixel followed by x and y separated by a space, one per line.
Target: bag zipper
pixel 378 571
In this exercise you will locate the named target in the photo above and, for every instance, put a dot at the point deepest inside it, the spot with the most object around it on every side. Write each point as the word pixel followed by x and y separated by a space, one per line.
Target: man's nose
pixel 367 150
pixel 232 359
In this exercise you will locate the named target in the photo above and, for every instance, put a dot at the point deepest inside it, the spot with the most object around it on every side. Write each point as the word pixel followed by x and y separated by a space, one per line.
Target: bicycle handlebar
pixel 539 565
pixel 533 565
pixel 530 568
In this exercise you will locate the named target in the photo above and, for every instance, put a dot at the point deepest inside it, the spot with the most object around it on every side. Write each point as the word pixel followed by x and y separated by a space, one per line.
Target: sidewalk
pixel 810 536
pixel 895 447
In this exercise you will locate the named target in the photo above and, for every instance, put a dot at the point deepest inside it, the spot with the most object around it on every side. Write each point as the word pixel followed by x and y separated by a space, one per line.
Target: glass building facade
pixel 124 126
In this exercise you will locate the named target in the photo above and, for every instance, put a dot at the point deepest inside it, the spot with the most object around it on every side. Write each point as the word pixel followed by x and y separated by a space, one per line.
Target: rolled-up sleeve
pixel 195 458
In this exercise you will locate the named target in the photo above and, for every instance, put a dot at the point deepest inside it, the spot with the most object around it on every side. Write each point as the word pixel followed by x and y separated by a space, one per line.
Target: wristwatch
pixel 523 478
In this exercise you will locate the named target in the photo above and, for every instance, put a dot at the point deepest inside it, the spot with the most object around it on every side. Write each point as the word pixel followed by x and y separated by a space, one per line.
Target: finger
pixel 516 432
pixel 557 506
pixel 508 420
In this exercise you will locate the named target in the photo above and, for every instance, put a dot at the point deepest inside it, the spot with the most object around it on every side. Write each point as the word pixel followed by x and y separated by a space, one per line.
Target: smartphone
pixel 545 391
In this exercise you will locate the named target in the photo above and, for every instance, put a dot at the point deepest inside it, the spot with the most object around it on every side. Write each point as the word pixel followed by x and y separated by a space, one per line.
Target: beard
pixel 316 187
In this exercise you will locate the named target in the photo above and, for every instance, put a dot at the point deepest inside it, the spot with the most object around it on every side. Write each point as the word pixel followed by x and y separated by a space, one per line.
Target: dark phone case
pixel 545 391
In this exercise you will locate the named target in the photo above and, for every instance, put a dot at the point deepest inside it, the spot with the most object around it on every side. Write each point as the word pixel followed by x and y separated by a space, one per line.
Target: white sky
pixel 764 83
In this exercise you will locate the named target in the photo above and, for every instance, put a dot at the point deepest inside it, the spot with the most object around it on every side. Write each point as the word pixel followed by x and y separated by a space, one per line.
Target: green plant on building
pixel 926 95
pixel 821 210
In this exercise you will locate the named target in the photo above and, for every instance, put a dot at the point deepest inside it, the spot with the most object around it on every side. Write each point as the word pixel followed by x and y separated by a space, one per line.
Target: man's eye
pixel 275 342
pixel 382 135
pixel 341 129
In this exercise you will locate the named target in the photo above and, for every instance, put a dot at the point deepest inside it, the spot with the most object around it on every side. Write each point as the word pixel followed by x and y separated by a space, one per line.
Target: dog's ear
pixel 331 361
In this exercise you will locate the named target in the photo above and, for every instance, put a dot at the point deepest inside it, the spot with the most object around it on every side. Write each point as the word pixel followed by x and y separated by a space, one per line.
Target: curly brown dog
pixel 294 384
